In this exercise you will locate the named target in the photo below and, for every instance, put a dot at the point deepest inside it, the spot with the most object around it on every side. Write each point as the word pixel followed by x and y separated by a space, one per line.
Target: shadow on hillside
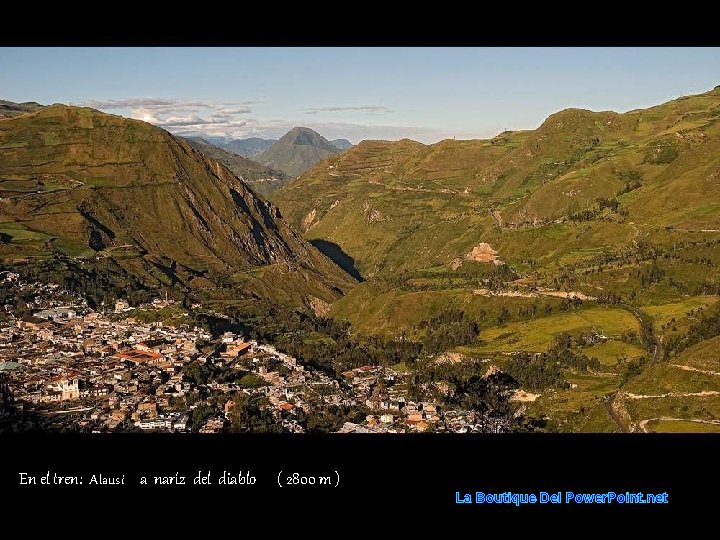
pixel 338 256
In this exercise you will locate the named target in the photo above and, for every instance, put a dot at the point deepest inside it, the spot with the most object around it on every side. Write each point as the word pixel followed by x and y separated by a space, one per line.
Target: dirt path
pixel 690 368
pixel 534 294
pixel 702 393
pixel 446 191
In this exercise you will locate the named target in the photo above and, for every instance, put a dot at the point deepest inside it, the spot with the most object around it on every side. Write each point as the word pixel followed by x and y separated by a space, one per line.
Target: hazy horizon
pixel 425 94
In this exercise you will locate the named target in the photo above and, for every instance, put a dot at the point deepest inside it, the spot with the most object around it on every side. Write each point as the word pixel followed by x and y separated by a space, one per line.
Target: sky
pixel 426 94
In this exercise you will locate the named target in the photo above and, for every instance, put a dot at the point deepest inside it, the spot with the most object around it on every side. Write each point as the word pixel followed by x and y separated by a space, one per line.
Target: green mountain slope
pixel 585 251
pixel 75 182
pixel 297 151
pixel 262 179
pixel 582 181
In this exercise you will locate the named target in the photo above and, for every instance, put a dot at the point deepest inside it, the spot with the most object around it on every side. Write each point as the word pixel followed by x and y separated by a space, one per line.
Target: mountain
pixel 396 206
pixel 126 199
pixel 253 146
pixel 262 179
pixel 587 248
pixel 9 108
pixel 297 151
pixel 249 147
pixel 341 144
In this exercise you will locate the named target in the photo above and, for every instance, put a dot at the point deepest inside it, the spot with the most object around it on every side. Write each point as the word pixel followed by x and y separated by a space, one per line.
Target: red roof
pixel 139 357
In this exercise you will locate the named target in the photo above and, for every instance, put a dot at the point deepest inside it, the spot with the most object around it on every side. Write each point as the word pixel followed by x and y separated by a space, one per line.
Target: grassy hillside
pixel 680 395
pixel 582 181
pixel 597 225
pixel 75 182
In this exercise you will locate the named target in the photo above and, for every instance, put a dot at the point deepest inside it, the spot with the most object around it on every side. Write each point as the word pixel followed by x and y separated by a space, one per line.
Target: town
pixel 68 367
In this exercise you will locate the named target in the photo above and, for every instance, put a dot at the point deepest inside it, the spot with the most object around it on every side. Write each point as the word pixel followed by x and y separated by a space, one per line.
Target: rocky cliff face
pixel 261 179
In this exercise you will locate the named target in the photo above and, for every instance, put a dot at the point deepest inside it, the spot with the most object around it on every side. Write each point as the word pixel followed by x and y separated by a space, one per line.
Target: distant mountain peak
pixel 341 144
pixel 306 136
pixel 10 108
pixel 297 151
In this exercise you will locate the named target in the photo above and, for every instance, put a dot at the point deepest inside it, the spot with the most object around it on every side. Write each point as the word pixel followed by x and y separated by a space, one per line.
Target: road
pixel 610 406
pixel 651 341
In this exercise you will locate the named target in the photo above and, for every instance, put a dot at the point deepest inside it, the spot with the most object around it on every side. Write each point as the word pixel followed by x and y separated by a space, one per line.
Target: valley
pixel 561 279
pixel 597 226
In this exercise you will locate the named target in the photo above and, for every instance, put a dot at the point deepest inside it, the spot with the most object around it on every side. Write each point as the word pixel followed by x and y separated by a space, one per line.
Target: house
pixel 64 387
pixel 137 356
pixel 429 407
pixel 180 424
pixel 33 323
pixel 160 422
pixel 107 350
pixel 213 425
pixel 154 345
pixel 45 334
pixel 373 403
pixel 95 391
pixel 237 348
pixel 56 314
pixel 228 337
pixel 148 407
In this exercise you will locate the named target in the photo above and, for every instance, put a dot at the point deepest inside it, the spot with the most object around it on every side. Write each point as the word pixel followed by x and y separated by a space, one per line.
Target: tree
pixel 201 414
pixel 251 414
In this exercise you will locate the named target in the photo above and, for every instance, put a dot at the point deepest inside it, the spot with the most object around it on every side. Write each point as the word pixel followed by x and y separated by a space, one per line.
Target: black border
pixel 397 475
pixel 355 24
pixel 409 477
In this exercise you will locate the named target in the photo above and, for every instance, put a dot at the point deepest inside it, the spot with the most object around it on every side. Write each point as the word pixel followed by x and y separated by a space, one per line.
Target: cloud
pixel 233 120
pixel 274 129
pixel 182 116
pixel 243 110
pixel 357 108
pixel 161 104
